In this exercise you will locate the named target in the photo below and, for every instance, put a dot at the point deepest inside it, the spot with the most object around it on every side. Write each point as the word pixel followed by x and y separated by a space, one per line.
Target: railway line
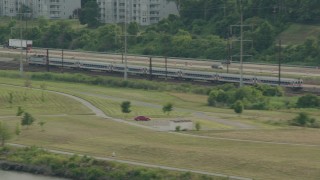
pixel 14 65
pixel 255 69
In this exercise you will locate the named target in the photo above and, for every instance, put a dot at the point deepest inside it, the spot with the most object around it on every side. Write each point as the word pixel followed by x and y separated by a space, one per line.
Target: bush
pixel 238 107
pixel 20 111
pixel 304 120
pixel 308 101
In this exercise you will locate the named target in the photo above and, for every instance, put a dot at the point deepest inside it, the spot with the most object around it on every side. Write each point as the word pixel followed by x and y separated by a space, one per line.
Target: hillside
pixel 298 33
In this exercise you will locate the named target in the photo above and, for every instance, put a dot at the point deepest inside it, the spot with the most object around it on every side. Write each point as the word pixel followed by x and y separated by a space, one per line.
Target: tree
pixel 19 111
pixel 308 101
pixel 238 107
pixel 133 28
pixel 125 107
pixel 198 126
pixel 212 99
pixel 90 14
pixel 27 120
pixel 304 120
pixel 41 124
pixel 4 133
pixel 167 108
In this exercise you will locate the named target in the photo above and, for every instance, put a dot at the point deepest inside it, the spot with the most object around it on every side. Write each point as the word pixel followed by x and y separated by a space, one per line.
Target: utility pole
pixel 125 42
pixel 228 54
pixel 21 63
pixel 150 68
pixel 166 65
pixel 62 60
pixel 241 44
pixel 279 60
pixel 47 61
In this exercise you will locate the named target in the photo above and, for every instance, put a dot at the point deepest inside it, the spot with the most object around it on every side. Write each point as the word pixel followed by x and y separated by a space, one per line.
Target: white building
pixel 51 9
pixel 144 12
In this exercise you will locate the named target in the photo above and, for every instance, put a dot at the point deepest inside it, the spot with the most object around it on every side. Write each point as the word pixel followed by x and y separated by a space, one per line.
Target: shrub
pixel 304 120
pixel 20 111
pixel 238 107
pixel 308 101
pixel 198 126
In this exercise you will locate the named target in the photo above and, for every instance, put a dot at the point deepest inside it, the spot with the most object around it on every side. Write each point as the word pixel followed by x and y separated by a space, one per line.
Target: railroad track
pixel 14 65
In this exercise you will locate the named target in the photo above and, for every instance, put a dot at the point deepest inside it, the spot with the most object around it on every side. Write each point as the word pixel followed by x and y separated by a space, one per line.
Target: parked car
pixel 142 118
pixel 217 66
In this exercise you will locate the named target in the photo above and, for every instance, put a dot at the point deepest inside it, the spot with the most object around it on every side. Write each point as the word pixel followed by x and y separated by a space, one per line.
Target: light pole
pixel 125 42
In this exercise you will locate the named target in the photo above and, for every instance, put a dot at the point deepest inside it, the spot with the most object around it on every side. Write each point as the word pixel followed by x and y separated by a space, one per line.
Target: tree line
pixel 201 31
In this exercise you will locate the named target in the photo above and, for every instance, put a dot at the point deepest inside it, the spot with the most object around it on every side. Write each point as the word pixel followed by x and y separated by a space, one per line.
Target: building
pixel 50 9
pixel 144 12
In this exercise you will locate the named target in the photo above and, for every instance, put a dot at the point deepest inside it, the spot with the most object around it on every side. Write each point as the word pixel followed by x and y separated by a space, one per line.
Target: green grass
pixel 37 102
pixel 91 135
pixel 297 33
pixel 101 137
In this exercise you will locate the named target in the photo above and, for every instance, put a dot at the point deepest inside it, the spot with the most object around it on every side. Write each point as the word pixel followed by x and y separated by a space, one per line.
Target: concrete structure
pixel 184 125
pixel 50 9
pixel 144 12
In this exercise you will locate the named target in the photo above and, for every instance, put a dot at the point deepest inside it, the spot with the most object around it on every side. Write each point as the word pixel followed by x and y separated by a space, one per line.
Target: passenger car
pixel 142 118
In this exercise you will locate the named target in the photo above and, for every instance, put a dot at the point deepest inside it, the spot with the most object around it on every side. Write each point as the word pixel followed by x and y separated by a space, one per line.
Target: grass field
pixel 297 33
pixel 80 132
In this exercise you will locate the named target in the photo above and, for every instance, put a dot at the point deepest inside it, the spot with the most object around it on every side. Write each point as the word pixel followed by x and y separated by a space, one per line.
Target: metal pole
pixel 228 56
pixel 150 68
pixel 21 63
pixel 166 64
pixel 125 42
pixel 62 60
pixel 279 62
pixel 122 58
pixel 26 31
pixel 241 44
pixel 47 62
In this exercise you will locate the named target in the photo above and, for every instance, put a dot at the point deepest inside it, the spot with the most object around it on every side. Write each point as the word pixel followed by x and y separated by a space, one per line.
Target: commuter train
pixel 162 72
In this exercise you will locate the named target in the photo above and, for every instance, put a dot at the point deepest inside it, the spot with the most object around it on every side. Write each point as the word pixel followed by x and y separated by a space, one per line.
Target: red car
pixel 142 118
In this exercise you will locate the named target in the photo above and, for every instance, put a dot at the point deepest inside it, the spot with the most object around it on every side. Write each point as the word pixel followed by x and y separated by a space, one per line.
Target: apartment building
pixel 51 9
pixel 144 12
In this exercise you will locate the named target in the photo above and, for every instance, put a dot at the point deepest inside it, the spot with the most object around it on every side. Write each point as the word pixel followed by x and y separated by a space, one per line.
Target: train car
pixel 285 82
pixel 200 76
pixel 162 73
pixel 99 66
pixel 170 73
pixel 37 60
pixel 69 63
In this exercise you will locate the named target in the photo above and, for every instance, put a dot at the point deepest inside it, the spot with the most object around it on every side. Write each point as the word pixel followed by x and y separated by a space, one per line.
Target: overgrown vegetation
pixel 36 160
pixel 250 97
pixel 304 120
pixel 112 82
pixel 200 31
